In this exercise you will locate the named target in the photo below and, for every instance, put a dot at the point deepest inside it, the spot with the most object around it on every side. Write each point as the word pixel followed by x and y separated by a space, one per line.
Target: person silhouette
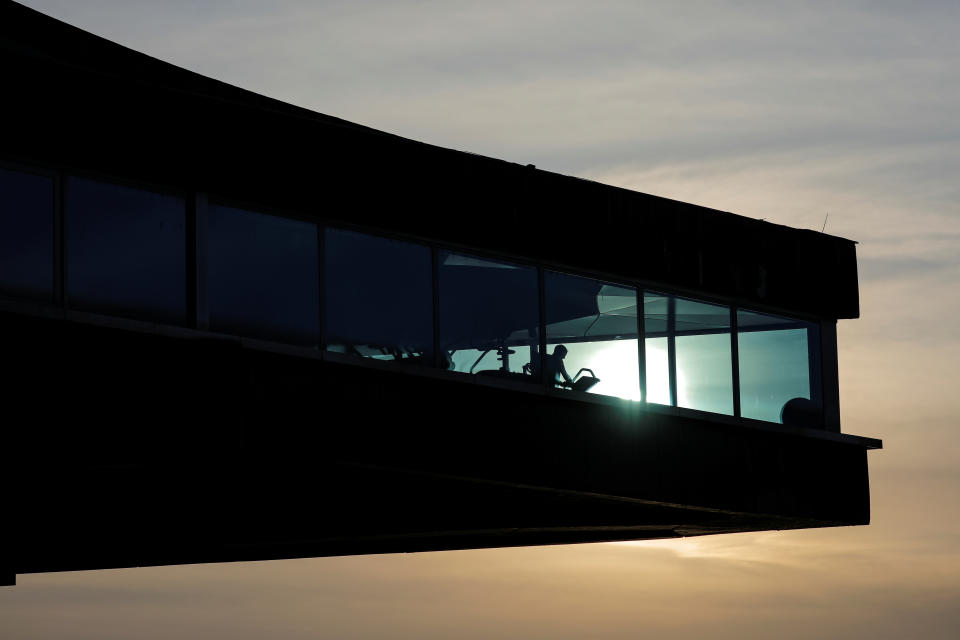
pixel 556 371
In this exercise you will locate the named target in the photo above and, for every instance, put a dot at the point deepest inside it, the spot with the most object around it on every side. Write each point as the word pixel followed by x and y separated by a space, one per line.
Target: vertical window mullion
pixel 542 327
pixel 322 284
pixel 735 361
pixel 814 366
pixel 438 361
pixel 641 345
pixel 672 347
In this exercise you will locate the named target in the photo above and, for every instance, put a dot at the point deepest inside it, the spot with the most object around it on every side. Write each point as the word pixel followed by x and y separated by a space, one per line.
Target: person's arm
pixel 563 372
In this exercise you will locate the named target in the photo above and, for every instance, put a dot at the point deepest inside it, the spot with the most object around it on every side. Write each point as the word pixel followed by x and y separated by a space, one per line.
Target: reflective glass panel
pixel 488 317
pixel 697 335
pixel 658 370
pixel 657 309
pixel 752 320
pixel 699 316
pixel 126 251
pixel 262 275
pixel 26 235
pixel 704 360
pixel 591 336
pixel 655 312
pixel 705 373
pixel 775 369
pixel 379 297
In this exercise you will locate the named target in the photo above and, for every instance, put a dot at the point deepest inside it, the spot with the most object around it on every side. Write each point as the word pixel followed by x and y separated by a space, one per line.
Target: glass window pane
pixel 26 235
pixel 591 336
pixel 379 297
pixel 489 317
pixel 657 325
pixel 699 316
pixel 655 311
pixel 751 320
pixel 658 370
pixel 126 251
pixel 775 369
pixel 704 373
pixel 262 275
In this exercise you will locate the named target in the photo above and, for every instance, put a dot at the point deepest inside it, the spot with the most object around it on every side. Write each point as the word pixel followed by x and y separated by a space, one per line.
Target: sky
pixel 841 113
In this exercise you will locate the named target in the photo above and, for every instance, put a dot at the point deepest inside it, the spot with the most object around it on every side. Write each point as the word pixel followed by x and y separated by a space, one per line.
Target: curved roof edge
pixel 682 245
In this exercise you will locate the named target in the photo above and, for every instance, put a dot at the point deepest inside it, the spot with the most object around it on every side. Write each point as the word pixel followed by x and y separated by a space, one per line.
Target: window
pixel 778 372
pixel 262 275
pixel 688 353
pixel 379 297
pixel 489 317
pixel 126 251
pixel 26 235
pixel 591 329
pixel 657 348
pixel 704 367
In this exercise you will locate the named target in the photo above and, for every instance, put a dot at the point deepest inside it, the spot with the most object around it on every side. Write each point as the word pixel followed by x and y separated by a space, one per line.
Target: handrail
pixel 592 374
pixel 479 359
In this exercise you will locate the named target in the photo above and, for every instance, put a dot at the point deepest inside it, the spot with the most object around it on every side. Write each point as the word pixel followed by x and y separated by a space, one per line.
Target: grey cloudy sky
pixel 777 110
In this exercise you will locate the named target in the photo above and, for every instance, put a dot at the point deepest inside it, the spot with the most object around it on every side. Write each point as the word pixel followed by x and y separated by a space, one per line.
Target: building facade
pixel 236 329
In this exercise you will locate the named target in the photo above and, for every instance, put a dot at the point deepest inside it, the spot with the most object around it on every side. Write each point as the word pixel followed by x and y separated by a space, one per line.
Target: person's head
pixel 560 351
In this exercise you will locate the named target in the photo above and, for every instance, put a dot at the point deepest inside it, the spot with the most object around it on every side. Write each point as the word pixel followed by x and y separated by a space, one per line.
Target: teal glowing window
pixel 689 358
pixel 591 330
pixel 779 379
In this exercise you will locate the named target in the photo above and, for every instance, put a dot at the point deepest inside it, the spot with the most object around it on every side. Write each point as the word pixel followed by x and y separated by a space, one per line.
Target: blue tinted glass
pixel 697 335
pixel 752 320
pixel 379 297
pixel 705 373
pixel 489 317
pixel 126 251
pixel 262 275
pixel 26 235
pixel 655 311
pixel 775 368
pixel 700 316
pixel 591 336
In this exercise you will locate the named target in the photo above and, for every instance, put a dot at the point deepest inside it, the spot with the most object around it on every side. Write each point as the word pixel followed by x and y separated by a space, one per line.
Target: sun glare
pixel 615 363
pixel 658 371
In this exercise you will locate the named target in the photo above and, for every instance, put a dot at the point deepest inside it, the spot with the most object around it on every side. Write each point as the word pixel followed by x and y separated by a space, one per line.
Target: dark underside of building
pixel 234 329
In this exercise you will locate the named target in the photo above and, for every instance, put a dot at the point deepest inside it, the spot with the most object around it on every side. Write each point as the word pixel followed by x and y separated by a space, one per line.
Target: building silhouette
pixel 235 329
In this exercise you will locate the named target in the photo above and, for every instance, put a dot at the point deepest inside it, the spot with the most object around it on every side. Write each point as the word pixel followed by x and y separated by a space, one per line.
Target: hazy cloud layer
pixel 779 110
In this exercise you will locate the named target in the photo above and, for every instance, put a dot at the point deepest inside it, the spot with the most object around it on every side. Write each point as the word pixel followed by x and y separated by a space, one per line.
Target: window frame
pixel 198 201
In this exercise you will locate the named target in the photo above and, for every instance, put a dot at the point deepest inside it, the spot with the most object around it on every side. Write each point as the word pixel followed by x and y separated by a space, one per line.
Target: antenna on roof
pixel 825 222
